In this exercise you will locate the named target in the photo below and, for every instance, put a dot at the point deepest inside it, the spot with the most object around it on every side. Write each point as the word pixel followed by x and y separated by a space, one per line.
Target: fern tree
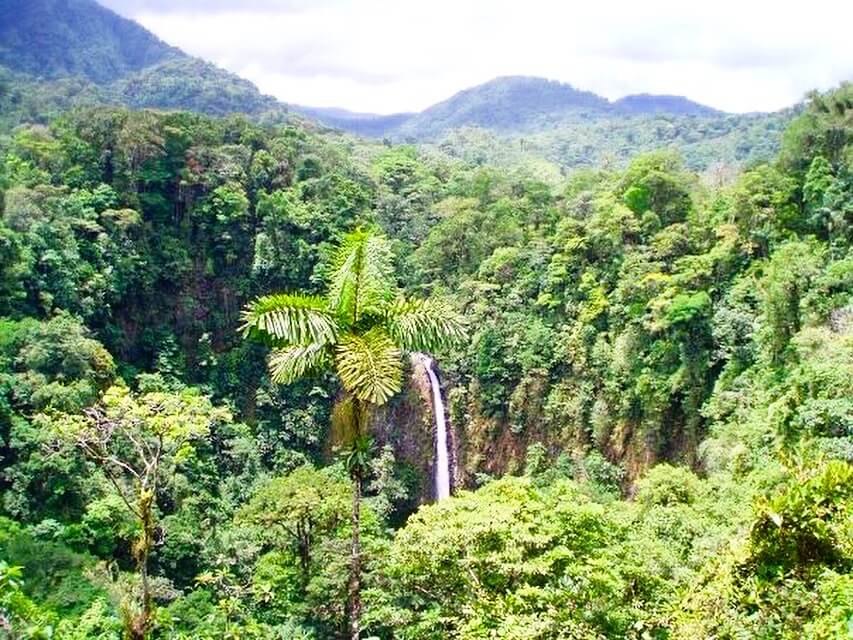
pixel 360 330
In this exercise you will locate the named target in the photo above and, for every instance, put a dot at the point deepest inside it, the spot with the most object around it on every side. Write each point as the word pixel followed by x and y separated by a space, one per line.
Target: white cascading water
pixel 442 458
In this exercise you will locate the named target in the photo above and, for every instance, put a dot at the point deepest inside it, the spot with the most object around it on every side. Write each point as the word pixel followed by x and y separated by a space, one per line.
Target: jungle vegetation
pixel 203 319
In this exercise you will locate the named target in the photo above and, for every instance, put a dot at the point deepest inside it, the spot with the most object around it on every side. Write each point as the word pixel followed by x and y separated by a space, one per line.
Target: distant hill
pixel 60 54
pixel 554 126
pixel 646 103
pixel 194 85
pixel 362 124
pixel 509 104
pixel 502 104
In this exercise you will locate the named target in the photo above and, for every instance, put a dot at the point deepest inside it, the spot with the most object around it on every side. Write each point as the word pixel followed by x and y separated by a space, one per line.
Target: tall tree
pixel 359 330
pixel 136 441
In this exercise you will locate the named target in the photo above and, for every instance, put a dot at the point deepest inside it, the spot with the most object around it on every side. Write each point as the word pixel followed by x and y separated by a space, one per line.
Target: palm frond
pixel 369 365
pixel 288 364
pixel 291 319
pixel 360 278
pixel 423 325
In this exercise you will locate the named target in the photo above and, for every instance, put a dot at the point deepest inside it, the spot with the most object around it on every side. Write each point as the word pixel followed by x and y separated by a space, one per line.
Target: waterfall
pixel 442 457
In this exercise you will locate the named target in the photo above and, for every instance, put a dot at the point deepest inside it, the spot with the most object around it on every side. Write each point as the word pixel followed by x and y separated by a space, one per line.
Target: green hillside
pixel 56 38
pixel 56 54
pixel 522 120
pixel 503 104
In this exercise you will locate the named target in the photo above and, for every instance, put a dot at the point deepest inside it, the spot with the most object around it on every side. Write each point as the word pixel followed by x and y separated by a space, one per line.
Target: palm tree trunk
pixel 357 472
pixel 355 558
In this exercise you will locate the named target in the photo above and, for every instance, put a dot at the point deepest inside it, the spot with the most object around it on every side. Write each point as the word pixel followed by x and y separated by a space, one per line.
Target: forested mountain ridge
pixel 59 38
pixel 93 56
pixel 363 124
pixel 649 103
pixel 513 104
pixel 508 103
pixel 64 53
pixel 525 120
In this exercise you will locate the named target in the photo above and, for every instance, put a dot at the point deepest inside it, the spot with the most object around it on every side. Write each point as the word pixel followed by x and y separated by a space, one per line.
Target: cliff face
pixel 497 445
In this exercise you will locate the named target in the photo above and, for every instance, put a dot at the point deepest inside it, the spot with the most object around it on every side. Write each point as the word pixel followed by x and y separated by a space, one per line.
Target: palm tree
pixel 359 330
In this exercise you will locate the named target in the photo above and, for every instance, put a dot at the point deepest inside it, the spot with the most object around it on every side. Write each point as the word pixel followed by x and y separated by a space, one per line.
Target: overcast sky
pixel 385 56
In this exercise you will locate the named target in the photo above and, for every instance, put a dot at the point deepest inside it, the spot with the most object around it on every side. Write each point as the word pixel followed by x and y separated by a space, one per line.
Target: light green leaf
pixel 423 325
pixel 369 365
pixel 291 363
pixel 360 278
pixel 289 319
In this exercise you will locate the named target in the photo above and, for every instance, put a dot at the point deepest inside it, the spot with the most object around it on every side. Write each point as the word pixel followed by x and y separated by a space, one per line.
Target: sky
pixel 386 56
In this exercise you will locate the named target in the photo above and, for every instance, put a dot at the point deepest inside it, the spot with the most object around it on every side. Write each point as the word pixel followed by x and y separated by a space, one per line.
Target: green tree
pixel 360 330
pixel 299 509
pixel 136 442
pixel 790 272
pixel 302 521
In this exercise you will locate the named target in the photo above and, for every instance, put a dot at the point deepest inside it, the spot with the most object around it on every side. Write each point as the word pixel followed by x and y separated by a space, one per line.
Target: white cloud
pixel 386 55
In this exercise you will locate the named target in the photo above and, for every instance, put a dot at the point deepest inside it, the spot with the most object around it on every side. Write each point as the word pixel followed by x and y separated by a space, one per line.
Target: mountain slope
pixel 509 104
pixel 502 104
pixel 551 127
pixel 64 53
pixel 646 103
pixel 194 85
pixel 61 54
pixel 363 124
pixel 56 38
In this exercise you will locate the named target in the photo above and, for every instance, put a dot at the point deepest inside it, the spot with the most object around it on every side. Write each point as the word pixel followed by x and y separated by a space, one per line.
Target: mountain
pixel 550 127
pixel 194 85
pixel 646 103
pixel 56 54
pixel 57 38
pixel 509 104
pixel 364 124
pixel 503 104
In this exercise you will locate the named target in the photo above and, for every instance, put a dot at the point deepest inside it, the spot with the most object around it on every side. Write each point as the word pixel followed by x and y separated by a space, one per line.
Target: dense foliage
pixel 652 407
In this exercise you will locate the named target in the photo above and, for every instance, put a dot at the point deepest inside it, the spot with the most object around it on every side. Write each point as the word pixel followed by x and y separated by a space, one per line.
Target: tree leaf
pixel 296 361
pixel 423 325
pixel 289 319
pixel 369 365
pixel 361 276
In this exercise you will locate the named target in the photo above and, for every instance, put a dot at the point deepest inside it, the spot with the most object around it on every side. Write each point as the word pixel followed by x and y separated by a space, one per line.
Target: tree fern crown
pixel 359 329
